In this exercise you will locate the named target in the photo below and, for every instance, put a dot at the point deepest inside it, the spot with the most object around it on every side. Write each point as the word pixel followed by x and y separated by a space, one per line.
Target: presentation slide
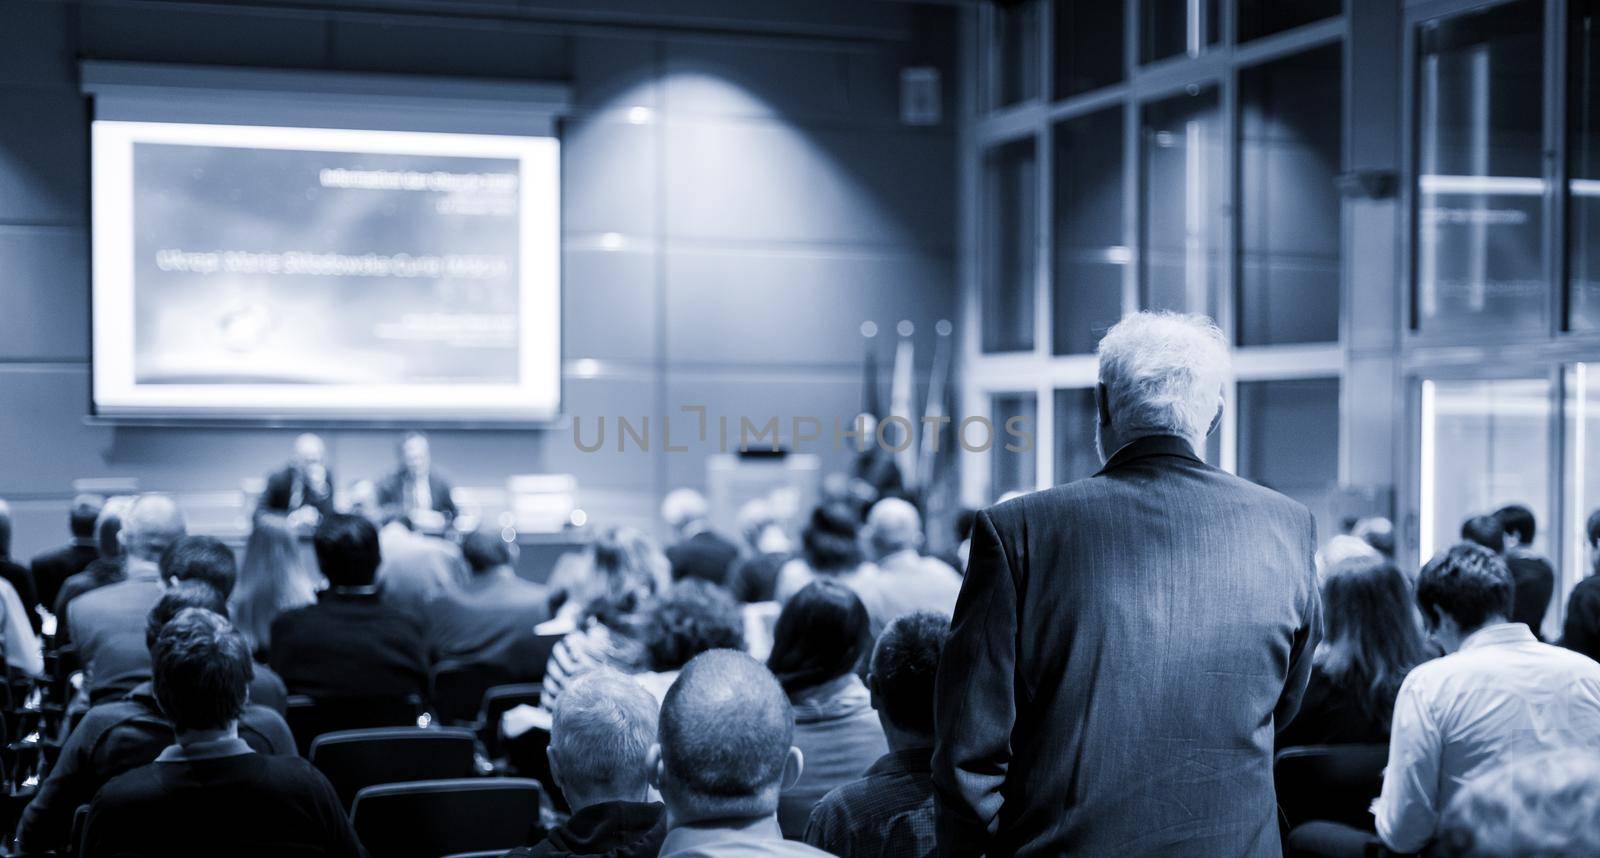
pixel 282 273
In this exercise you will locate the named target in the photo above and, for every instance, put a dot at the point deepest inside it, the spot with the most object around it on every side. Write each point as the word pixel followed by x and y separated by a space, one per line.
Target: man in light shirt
pixel 907 581
pixel 1498 695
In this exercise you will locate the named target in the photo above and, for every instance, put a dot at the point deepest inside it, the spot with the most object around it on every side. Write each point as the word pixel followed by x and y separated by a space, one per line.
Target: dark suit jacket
pixel 280 491
pixel 1121 654
pixel 350 646
pixel 1535 581
pixel 1581 631
pixel 395 488
pixel 21 580
pixel 55 566
pixel 705 555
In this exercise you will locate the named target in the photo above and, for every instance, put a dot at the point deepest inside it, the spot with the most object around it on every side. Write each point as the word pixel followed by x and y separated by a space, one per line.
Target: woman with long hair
pixel 830 547
pixel 1371 639
pixel 272 580
pixel 822 637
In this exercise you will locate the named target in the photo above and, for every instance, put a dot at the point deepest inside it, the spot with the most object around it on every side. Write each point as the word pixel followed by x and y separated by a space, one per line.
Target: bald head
pixel 683 507
pixel 726 739
pixel 151 525
pixel 893 525
pixel 309 450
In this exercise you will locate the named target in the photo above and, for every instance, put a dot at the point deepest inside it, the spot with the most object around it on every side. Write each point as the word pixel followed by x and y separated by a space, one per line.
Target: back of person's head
pixel 682 507
pixel 183 596
pixel 201 558
pixel 272 578
pixel 83 515
pixel 693 616
pixel 601 731
pixel 893 524
pixel 1540 805
pixel 628 569
pixel 753 520
pixel 202 671
pixel 905 661
pixel 1484 530
pixel 1517 520
pixel 1468 583
pixel 1162 374
pixel 822 634
pixel 830 541
pixel 725 740
pixel 347 550
pixel 108 525
pixel 1591 527
pixel 1341 548
pixel 1370 637
pixel 1377 532
pixel 5 530
pixel 151 525
pixel 485 551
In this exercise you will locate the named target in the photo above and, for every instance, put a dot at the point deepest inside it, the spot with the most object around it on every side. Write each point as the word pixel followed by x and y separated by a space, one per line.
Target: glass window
pixel 1173 28
pixel 1012 215
pixel 1259 18
pixel 1016 64
pixel 1480 261
pixel 1485 444
pixel 1013 470
pixel 1289 440
pixel 1075 418
pixel 1582 413
pixel 1583 167
pixel 1089 252
pixel 1291 134
pixel 1088 45
pixel 1184 191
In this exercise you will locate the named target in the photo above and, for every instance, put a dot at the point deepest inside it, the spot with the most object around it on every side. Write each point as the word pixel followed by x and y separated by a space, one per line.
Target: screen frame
pixel 116 397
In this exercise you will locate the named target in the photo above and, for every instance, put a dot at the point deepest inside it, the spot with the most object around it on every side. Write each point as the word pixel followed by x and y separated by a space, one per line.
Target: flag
pixel 935 444
pixel 901 391
pixel 870 402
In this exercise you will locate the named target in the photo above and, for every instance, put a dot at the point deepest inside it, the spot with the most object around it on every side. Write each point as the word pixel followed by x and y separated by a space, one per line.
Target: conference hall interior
pixel 467 428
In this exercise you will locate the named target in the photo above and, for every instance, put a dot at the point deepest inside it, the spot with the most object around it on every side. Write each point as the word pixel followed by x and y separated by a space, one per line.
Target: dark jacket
pixel 1332 713
pixel 284 483
pixel 241 805
pixel 704 555
pixel 616 829
pixel 55 566
pixel 1535 581
pixel 104 571
pixel 1581 631
pixel 114 738
pixel 394 493
pixel 1123 648
pixel 21 580
pixel 350 645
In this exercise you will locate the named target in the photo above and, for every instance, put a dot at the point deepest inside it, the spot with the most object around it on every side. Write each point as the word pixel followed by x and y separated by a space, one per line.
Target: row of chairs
pixel 1324 796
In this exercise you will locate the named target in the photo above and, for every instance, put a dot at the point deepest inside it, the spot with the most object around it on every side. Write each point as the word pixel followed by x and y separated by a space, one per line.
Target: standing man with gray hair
pixel 1125 646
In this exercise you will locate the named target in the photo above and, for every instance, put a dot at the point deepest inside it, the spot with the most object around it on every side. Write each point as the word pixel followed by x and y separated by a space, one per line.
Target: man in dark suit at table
pixel 1124 646
pixel 415 490
pixel 304 482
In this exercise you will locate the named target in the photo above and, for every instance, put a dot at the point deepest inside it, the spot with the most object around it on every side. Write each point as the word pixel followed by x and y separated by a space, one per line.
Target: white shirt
pixel 908 581
pixel 1503 696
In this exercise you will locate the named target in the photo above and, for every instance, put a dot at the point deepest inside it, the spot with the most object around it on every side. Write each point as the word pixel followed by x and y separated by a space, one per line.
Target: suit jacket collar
pixel 1148 446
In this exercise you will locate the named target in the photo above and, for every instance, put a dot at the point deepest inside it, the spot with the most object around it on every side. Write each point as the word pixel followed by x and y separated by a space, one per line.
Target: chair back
pixel 528 756
pixel 458 689
pixel 427 819
pixel 355 759
pixel 497 701
pixel 1336 783
pixel 310 717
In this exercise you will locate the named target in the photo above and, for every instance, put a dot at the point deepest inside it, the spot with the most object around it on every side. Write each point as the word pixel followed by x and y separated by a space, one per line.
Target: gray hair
pixel 1163 374
pixel 1546 804
pixel 603 726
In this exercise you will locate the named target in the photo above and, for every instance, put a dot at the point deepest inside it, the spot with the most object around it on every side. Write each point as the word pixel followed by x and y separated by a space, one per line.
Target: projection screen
pixel 260 272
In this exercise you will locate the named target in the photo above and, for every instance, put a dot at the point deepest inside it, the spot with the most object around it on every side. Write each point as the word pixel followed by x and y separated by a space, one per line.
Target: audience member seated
pixel 210 793
pixel 349 644
pixel 725 752
pixel 108 568
pixel 272 580
pixel 697 551
pixel 1496 696
pixel 694 616
pixel 890 812
pixel 907 581
pixel 124 734
pixel 415 490
pixel 1485 530
pixel 416 568
pixel 492 613
pixel 108 623
pixel 21 644
pixel 1545 805
pixel 821 638
pixel 1580 631
pixel 1534 577
pixel 602 731
pixel 17 575
pixel 1377 532
pixel 302 490
pixel 609 609
pixel 830 547
pixel 754 577
pixel 51 568
pixel 1340 549
pixel 1370 641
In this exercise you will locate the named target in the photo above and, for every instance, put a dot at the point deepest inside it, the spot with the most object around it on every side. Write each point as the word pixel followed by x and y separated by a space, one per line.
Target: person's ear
pixel 555 768
pixel 1102 403
pixel 655 769
pixel 793 765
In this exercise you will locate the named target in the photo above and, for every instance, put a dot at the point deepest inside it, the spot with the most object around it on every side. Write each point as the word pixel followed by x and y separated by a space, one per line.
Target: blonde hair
pixel 272 580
